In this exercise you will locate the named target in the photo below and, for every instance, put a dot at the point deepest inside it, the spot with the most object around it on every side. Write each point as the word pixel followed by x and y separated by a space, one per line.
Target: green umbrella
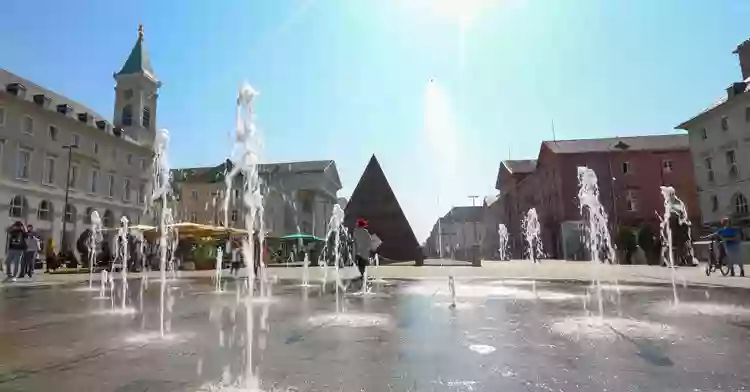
pixel 301 236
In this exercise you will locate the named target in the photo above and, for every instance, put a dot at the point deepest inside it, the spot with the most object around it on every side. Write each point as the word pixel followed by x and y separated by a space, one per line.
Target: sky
pixel 343 80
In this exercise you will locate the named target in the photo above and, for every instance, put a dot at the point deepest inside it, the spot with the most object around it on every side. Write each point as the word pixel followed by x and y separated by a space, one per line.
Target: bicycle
pixel 714 262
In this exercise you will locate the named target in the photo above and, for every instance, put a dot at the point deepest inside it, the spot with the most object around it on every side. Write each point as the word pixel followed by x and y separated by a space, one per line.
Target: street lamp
pixel 70 148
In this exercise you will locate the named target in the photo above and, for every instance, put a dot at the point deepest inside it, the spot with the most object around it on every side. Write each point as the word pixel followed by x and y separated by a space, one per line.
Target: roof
pixel 520 166
pixel 721 101
pixel 32 89
pixel 464 214
pixel 216 173
pixel 138 62
pixel 634 143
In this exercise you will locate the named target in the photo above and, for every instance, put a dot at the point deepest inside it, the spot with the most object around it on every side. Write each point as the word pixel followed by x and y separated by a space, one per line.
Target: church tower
pixel 136 93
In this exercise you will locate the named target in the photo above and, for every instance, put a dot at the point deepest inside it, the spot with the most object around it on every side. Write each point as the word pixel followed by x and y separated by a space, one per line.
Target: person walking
pixel 362 246
pixel 731 238
pixel 16 249
pixel 28 263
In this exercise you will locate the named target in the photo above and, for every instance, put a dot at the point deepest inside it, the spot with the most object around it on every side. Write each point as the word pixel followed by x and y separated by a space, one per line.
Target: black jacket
pixel 16 239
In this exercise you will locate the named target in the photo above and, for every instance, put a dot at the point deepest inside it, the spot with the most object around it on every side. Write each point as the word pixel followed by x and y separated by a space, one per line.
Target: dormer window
pixel 101 124
pixel 117 131
pixel 42 100
pixel 17 89
pixel 64 109
pixel 83 117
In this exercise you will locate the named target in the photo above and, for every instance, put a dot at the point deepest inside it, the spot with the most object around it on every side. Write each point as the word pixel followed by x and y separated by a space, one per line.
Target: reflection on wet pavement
pixel 503 335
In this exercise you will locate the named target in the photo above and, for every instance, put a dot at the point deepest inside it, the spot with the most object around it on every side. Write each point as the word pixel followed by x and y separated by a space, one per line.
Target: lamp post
pixel 70 148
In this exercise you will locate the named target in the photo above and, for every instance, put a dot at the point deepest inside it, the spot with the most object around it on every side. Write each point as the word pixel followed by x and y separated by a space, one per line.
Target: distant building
pixel 342 202
pixel 493 213
pixel 720 148
pixel 509 177
pixel 630 171
pixel 459 230
pixel 110 170
pixel 299 196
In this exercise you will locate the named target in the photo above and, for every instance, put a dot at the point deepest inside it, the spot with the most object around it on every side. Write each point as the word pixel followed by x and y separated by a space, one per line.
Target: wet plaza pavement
pixel 503 335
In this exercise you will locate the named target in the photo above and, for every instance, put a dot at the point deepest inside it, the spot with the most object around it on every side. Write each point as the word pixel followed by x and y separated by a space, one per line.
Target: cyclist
pixel 730 236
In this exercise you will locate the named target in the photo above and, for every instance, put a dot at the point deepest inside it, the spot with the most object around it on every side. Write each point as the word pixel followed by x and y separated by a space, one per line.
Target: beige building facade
pixel 720 149
pixel 43 133
pixel 298 196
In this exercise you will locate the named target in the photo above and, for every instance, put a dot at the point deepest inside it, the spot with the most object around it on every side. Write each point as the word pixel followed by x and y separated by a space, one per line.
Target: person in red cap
pixel 362 245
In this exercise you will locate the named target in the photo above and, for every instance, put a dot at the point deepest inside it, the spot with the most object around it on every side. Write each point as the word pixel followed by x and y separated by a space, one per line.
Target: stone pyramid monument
pixel 374 201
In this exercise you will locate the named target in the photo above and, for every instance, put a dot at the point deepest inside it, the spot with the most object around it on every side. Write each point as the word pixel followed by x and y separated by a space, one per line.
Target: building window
pixel 111 185
pixel 740 204
pixel 44 213
pixel 709 169
pixel 732 164
pixel 234 216
pixel 53 131
pixel 93 181
pixel 96 148
pixel 626 169
pixel 127 116
pixel 714 203
pixel 49 171
pixel 18 207
pixel 2 116
pixel 129 159
pixel 27 125
pixel 236 194
pixel 193 217
pixel 143 164
pixel 126 189
pixel 141 193
pixel 75 170
pixel 725 123
pixel 146 121
pixel 667 165
pixel 632 200
pixel 75 140
pixel 70 213
pixel 23 161
pixel 704 134
pixel 194 195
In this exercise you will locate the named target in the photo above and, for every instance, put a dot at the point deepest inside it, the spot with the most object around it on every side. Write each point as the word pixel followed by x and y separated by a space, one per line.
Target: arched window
pixel 87 215
pixel 127 116
pixel 108 219
pixel 70 213
pixel 146 119
pixel 740 204
pixel 45 211
pixel 18 207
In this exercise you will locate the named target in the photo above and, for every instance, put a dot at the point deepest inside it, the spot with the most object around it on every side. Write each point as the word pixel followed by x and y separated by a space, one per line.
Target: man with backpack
pixel 16 249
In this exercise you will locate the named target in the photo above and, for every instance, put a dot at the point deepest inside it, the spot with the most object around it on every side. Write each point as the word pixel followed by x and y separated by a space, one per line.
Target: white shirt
pixel 362 243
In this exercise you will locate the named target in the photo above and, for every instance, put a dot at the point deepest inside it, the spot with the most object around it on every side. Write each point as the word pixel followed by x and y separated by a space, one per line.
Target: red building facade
pixel 630 171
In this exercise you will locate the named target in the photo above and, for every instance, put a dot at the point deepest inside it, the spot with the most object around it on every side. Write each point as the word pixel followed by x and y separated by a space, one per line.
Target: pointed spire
pixel 138 62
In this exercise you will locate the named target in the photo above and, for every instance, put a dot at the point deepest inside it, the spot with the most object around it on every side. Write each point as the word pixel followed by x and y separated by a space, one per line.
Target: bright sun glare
pixel 456 11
